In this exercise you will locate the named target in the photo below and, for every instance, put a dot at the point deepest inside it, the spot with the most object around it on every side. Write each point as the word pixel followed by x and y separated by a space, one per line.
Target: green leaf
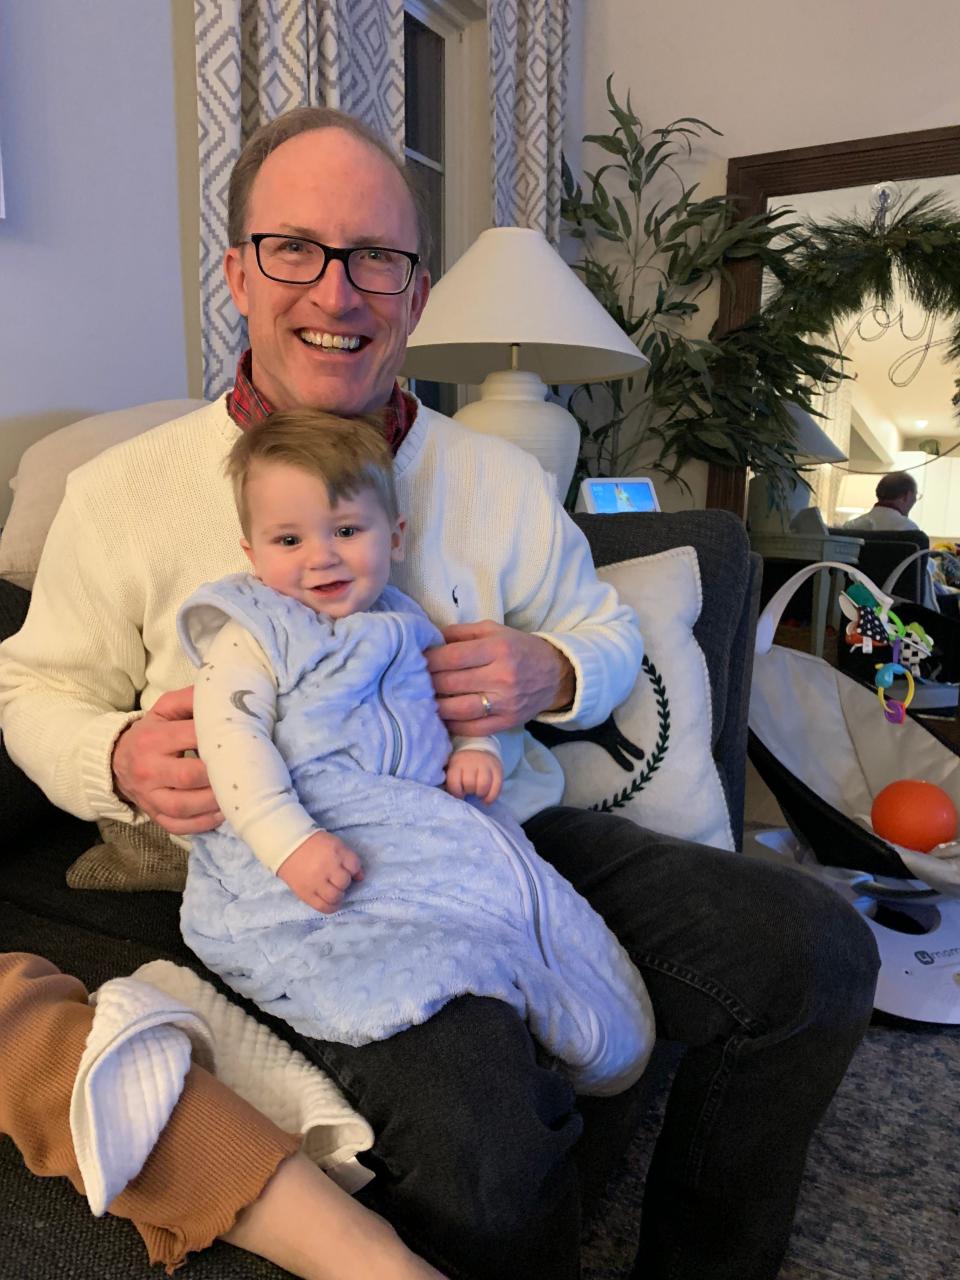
pixel 625 223
pixel 566 175
pixel 694 120
pixel 624 117
pixel 608 142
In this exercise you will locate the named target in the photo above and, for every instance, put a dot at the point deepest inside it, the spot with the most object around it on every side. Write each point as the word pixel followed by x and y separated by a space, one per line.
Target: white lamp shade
pixel 510 288
pixel 813 443
pixel 764 515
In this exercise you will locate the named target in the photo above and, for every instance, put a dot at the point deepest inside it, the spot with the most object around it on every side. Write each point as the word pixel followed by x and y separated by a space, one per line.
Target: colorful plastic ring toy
pixel 894 711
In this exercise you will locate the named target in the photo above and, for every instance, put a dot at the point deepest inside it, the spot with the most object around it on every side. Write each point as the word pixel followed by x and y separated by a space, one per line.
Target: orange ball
pixel 917 815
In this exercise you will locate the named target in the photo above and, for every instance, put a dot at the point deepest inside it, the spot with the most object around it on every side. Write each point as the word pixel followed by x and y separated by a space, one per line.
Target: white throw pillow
pixel 674 786
pixel 41 478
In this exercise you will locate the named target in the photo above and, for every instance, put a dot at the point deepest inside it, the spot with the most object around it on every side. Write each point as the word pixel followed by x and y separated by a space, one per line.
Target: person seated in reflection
pixel 896 497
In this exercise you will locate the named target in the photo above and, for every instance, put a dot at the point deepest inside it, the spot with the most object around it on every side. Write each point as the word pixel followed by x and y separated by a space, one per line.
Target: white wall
pixel 769 74
pixel 772 74
pixel 879 431
pixel 92 312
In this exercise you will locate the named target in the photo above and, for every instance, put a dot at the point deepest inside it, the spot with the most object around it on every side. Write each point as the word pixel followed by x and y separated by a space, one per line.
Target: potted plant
pixel 651 248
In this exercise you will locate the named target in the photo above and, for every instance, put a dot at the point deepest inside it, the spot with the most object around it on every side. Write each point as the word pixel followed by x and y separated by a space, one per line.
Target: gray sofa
pixel 47 1229
pixel 884 549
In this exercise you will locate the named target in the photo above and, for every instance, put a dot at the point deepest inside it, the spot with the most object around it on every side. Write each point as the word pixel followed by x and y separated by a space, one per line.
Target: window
pixel 446 140
pixel 424 140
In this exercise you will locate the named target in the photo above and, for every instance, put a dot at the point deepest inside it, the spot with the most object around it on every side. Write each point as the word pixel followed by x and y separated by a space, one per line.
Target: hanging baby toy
pixel 867 625
pixel 894 712
pixel 872 624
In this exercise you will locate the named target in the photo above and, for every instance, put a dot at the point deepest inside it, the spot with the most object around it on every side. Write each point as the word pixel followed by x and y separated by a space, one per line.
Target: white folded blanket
pixel 145 1029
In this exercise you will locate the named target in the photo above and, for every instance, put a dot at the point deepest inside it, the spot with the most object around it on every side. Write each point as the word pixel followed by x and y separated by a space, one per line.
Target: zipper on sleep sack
pixel 516 857
pixel 394 723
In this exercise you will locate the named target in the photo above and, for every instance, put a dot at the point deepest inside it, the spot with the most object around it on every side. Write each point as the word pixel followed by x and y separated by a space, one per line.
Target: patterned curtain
pixel 256 59
pixel 825 481
pixel 528 58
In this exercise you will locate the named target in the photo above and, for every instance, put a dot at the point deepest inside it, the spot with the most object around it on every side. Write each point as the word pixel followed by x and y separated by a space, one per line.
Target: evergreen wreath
pixel 660 750
pixel 838 268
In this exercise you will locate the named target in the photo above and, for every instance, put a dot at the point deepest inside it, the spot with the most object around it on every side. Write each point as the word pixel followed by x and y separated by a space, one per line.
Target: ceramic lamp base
pixel 763 513
pixel 512 406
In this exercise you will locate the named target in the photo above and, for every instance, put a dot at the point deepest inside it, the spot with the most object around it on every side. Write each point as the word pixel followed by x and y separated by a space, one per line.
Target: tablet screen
pixel 622 495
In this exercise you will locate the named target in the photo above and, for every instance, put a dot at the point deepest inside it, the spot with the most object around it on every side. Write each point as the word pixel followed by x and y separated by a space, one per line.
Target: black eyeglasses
pixel 370 268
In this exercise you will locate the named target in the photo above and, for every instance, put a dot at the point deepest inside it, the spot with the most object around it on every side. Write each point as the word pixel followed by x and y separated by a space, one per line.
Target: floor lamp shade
pixel 813 445
pixel 511 314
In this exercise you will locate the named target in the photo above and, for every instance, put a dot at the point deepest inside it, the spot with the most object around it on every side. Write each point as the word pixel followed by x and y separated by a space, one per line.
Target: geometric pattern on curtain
pixel 529 40
pixel 361 63
pixel 255 60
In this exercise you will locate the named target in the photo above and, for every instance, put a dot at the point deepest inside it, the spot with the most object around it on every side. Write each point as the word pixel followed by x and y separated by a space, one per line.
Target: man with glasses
pixel 765 976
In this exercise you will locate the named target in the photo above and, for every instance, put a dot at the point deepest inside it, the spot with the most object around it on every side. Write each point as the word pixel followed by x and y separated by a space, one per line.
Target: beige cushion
pixel 129 859
pixel 42 476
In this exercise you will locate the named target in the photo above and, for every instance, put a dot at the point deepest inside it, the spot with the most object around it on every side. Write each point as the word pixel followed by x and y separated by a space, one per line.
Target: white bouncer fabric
pixel 829 731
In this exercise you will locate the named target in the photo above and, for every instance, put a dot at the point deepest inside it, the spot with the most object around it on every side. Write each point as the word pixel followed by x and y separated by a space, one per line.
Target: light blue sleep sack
pixel 453 901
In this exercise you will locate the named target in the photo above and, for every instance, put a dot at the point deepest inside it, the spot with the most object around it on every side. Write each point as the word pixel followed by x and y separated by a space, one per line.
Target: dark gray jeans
pixel 765 975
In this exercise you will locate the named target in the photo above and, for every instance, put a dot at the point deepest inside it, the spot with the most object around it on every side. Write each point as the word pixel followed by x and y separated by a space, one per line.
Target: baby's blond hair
pixel 347 454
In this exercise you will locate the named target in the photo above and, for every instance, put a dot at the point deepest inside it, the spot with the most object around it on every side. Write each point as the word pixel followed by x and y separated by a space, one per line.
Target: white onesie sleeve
pixel 235 709
pixel 460 742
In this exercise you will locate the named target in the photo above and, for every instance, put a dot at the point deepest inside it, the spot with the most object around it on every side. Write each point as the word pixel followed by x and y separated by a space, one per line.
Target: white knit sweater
pixel 144 524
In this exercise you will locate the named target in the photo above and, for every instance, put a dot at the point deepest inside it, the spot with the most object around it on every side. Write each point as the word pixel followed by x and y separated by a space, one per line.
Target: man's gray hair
pixel 306 120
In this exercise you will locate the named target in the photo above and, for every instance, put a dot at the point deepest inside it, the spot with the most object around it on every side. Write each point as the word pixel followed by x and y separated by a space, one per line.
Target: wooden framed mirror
pixel 896 157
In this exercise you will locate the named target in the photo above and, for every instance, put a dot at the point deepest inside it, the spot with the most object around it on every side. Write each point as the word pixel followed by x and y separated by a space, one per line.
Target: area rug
pixel 881 1195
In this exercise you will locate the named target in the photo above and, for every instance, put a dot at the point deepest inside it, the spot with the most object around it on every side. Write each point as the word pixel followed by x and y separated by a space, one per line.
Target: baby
pixel 350 890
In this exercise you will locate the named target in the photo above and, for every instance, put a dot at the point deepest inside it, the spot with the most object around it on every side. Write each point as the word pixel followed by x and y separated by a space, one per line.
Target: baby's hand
pixel 474 773
pixel 321 870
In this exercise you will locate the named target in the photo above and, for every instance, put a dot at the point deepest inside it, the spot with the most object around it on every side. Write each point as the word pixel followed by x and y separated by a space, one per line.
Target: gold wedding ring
pixel 486 704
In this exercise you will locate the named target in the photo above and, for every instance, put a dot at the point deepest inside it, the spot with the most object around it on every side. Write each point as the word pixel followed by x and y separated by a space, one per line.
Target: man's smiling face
pixel 333 187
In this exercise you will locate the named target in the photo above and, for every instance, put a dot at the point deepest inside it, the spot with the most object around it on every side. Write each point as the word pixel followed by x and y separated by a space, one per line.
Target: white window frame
pixel 466 123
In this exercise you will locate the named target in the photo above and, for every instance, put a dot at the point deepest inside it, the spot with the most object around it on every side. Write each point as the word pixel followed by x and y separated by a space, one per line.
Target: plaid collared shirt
pixel 246 406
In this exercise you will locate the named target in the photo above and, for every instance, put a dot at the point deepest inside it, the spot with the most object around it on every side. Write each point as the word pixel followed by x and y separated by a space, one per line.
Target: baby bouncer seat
pixel 826 745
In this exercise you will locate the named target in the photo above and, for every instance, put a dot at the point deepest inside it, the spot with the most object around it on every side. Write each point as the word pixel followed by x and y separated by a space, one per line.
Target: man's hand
pixel 474 773
pixel 320 871
pixel 485 664
pixel 151 772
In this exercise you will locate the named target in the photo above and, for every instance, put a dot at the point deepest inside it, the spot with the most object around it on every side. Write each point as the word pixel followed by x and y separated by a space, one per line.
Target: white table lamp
pixel 813 445
pixel 511 314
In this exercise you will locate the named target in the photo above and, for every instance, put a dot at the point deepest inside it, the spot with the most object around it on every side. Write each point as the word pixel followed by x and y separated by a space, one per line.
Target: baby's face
pixel 334 559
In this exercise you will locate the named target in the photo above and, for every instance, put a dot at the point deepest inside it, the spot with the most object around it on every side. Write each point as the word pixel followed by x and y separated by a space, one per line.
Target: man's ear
pixel 396 541
pixel 236 273
pixel 418 298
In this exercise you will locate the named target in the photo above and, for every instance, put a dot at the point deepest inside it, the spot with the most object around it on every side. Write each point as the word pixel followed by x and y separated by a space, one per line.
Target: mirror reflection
pixel 894 411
